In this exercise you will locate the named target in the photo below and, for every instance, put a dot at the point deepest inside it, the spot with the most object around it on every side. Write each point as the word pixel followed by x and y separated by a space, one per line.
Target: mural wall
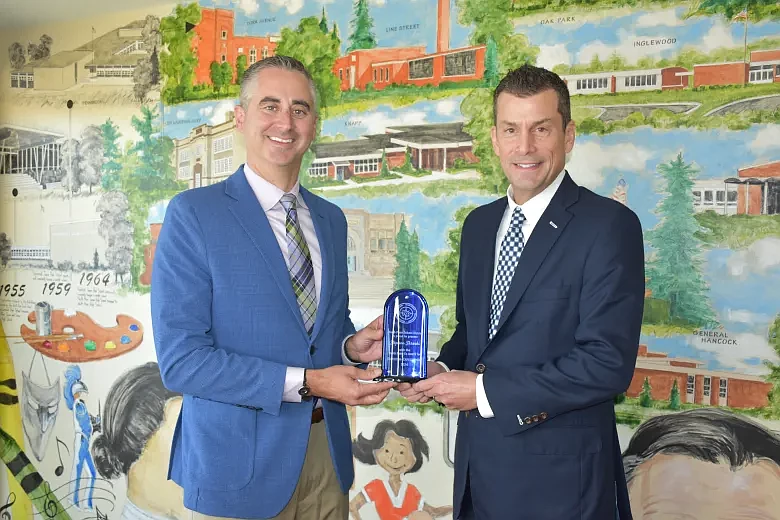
pixel 103 120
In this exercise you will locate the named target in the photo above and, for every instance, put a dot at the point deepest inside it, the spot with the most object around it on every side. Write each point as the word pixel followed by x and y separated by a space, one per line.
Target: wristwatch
pixel 305 390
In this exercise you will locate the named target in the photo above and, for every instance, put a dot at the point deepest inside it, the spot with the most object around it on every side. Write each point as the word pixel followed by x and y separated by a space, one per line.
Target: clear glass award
pixel 405 341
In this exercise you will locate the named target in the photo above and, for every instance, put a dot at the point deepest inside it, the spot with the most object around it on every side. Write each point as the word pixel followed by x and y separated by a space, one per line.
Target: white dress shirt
pixel 269 196
pixel 532 210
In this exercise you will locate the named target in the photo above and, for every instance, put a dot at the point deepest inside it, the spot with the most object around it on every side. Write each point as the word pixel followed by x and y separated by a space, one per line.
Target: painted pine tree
pixel 645 397
pixel 674 397
pixel 362 24
pixel 401 275
pixel 492 76
pixel 324 22
pixel 413 273
pixel 675 273
pixel 773 338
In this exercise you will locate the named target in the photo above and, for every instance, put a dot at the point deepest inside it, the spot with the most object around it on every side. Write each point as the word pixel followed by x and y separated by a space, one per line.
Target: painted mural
pixel 677 106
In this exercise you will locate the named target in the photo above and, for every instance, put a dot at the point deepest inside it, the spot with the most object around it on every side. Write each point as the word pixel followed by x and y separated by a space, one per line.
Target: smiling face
pixel 396 456
pixel 530 141
pixel 278 123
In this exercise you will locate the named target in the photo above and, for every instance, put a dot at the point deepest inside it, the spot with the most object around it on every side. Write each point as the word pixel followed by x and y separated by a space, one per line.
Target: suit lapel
pixel 486 243
pixel 251 216
pixel 325 238
pixel 539 244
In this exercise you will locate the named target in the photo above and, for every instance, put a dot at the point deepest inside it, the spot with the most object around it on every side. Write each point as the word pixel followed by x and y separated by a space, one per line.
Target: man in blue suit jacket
pixel 549 308
pixel 251 323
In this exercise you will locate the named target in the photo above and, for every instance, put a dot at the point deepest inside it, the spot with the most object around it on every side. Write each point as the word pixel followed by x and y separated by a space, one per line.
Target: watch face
pixel 304 391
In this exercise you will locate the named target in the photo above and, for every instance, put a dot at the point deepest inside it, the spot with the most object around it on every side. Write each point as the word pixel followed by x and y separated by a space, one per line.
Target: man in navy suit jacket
pixel 549 308
pixel 251 323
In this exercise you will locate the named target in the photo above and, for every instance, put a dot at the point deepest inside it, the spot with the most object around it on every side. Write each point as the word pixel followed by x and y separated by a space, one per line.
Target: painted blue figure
pixel 84 425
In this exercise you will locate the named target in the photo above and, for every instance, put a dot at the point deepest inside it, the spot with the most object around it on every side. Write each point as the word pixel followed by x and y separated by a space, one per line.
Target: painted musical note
pixel 59 469
pixel 99 515
pixel 4 514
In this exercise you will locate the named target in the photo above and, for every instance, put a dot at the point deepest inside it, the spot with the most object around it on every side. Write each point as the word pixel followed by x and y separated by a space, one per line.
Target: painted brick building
pixel 215 40
pixel 383 67
pixel 696 383
pixel 758 189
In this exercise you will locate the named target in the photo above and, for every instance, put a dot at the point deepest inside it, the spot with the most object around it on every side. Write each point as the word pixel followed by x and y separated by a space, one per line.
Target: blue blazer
pixel 566 346
pixel 226 325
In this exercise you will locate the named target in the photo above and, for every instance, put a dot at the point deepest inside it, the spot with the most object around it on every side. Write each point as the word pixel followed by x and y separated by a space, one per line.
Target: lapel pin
pixel 553 224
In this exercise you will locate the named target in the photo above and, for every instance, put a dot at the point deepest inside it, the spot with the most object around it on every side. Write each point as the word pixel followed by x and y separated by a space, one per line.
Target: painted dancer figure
pixel 84 426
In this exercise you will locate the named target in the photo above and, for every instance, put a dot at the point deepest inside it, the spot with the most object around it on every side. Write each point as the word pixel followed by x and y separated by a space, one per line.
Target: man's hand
pixel 416 396
pixel 457 390
pixel 340 383
pixel 366 345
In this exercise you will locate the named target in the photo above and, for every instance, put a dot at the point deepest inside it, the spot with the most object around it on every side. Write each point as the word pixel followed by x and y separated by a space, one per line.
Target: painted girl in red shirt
pixel 398 448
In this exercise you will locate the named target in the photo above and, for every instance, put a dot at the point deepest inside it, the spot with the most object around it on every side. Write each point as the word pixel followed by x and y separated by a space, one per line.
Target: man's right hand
pixel 341 383
pixel 412 395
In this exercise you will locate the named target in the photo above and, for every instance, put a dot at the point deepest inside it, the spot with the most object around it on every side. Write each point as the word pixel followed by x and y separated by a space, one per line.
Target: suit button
pixel 543 416
pixel 535 418
pixel 526 420
pixel 481 368
pixel 312 349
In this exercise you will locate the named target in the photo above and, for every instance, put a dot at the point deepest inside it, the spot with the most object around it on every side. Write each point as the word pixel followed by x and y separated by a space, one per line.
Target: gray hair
pixel 706 434
pixel 273 62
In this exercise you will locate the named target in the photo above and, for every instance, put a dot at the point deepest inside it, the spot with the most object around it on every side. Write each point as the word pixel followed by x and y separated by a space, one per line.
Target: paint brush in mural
pixel 57 337
pixel 30 480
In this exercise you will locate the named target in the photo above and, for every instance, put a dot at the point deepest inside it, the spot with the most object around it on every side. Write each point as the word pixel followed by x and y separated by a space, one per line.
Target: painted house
pixel 431 147
pixel 758 189
pixel 110 58
pixel 696 384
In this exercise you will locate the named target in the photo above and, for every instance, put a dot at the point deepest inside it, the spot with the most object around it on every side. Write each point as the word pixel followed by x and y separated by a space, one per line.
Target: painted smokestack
pixel 443 26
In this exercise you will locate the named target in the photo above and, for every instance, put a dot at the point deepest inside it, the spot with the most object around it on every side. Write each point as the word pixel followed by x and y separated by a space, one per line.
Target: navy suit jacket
pixel 566 346
pixel 226 325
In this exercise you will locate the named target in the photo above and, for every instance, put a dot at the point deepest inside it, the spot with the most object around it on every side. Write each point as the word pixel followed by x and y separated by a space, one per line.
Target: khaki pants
pixel 317 495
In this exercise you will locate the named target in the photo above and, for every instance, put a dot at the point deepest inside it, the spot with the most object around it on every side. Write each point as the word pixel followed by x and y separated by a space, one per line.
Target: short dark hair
pixel 274 62
pixel 363 449
pixel 706 434
pixel 529 80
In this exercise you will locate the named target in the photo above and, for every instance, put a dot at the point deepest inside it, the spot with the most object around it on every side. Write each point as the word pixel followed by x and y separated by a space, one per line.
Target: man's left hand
pixel 457 390
pixel 366 345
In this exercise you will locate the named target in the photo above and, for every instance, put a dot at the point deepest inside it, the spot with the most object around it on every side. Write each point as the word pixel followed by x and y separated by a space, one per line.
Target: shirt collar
pixel 268 194
pixel 535 206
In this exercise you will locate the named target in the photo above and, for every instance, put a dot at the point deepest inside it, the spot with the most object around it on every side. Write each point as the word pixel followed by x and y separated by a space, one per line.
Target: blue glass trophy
pixel 405 341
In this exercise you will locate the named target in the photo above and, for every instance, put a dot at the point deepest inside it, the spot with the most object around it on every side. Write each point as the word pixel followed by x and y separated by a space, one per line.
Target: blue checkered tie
pixel 511 247
pixel 299 263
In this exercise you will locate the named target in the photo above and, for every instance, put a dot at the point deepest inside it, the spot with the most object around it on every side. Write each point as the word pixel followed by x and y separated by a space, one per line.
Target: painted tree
pixel 324 22
pixel 413 256
pixel 117 230
pixel 5 249
pixel 401 274
pixel 385 170
pixel 773 338
pixel 675 268
pixel 70 164
pixel 217 78
pixel 142 79
pixel 241 65
pixel 152 39
pixel 318 52
pixel 17 56
pixel 177 59
pixel 492 76
pixel 334 34
pixel 490 22
pixel 111 154
pixel 645 397
pixel 91 156
pixel 148 177
pixel 757 10
pixel 674 397
pixel 362 36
